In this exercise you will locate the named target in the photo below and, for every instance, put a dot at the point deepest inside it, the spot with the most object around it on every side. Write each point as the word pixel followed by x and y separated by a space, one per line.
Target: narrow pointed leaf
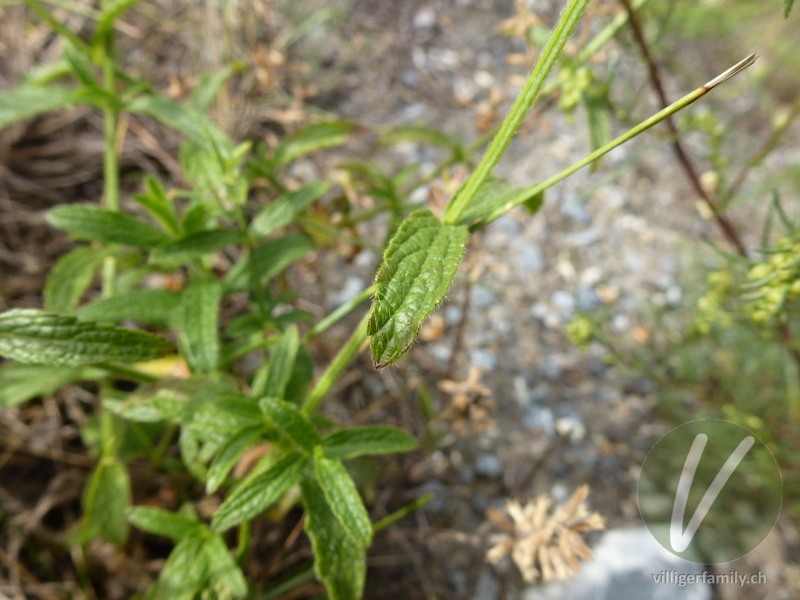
pixel 227 578
pixel 27 101
pixel 787 7
pixel 199 337
pixel 163 522
pixel 286 208
pixel 196 244
pixel 19 382
pixel 186 119
pixel 185 572
pixel 257 494
pixel 280 367
pixel 312 137
pixel 292 422
pixel 36 337
pixel 339 560
pixel 271 258
pixel 90 222
pixel 229 455
pixel 106 501
pixel 156 307
pixel 358 441
pixel 158 204
pixel 418 268
pixel 71 277
pixel 343 498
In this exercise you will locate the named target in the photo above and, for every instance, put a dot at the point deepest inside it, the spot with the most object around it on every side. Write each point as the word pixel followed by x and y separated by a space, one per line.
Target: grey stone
pixel 575 210
pixel 564 302
pixel 530 258
pixel 439 490
pixel 487 587
pixel 587 298
pixel 352 287
pixel 410 78
pixel 452 314
pixel 587 237
pixel 484 359
pixel 623 568
pixel 482 297
pixel 440 351
pixel 488 465
pixel 551 369
pixel 540 418
pixel 425 18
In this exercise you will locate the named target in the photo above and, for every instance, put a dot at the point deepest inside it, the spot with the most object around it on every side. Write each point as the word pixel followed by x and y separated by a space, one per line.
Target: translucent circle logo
pixel 710 491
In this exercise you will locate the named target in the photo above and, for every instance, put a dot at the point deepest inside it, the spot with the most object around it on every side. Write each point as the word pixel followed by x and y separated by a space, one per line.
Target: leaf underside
pixel 417 270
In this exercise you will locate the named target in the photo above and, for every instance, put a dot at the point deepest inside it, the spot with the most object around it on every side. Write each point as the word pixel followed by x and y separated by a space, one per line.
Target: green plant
pixel 217 412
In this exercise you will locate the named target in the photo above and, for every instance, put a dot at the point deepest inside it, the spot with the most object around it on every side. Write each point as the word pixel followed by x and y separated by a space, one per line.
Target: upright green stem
pixel 547 60
pixel 340 312
pixel 110 162
pixel 336 368
pixel 526 194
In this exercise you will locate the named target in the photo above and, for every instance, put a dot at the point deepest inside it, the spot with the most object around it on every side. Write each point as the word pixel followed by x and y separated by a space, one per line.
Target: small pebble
pixel 488 465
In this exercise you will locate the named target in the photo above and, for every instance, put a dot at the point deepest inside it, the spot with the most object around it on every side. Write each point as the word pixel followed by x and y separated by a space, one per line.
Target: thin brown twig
pixel 727 228
pixel 725 225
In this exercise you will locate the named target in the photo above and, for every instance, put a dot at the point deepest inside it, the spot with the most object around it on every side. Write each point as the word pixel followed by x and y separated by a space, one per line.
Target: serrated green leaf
pixel 309 138
pixel 339 560
pixel 158 204
pixel 787 8
pixel 195 244
pixel 163 522
pixel 106 501
pixel 229 455
pixel 36 337
pixel 81 66
pixel 286 208
pixel 280 368
pixel 19 382
pixel 227 578
pixel 272 257
pixel 257 494
pixel 189 121
pixel 26 101
pixel 71 276
pixel 358 441
pixel 199 337
pixel 204 166
pixel 156 307
pixel 418 267
pixel 343 498
pixel 186 571
pixel 90 222
pixel 292 422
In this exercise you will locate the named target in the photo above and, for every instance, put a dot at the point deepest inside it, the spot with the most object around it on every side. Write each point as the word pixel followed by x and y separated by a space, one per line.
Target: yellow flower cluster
pixel 573 83
pixel 774 282
pixel 580 331
pixel 710 310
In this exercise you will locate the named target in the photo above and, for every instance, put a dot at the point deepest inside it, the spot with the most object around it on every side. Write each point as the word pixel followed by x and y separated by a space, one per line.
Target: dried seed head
pixel 545 543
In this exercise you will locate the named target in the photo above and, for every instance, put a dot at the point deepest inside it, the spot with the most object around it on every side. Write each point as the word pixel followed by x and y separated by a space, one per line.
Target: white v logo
pixel 678 539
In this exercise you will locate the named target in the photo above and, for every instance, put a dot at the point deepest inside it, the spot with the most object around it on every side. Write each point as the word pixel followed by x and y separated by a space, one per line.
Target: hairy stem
pixel 526 194
pixel 337 367
pixel 547 60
